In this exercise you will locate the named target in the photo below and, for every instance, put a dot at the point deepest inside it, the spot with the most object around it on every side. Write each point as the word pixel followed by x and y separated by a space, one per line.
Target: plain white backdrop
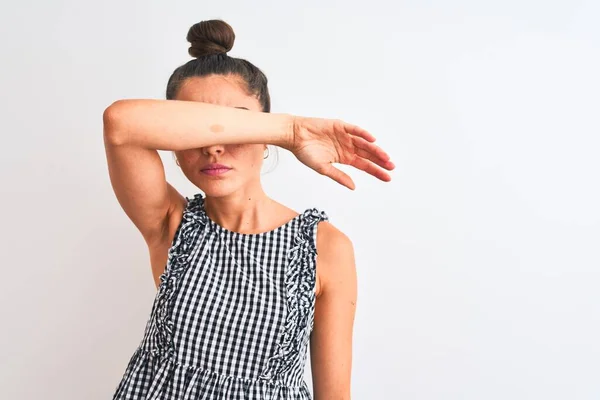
pixel 478 264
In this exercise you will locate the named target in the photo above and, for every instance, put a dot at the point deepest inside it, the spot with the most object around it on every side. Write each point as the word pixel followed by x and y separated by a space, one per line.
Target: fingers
pixel 364 155
pixel 357 131
pixel 371 168
pixel 339 176
pixel 372 153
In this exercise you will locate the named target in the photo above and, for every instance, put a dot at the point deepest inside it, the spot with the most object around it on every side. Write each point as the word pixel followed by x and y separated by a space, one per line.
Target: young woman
pixel 241 292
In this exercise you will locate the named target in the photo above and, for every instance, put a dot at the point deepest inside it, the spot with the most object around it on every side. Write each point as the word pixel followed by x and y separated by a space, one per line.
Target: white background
pixel 478 264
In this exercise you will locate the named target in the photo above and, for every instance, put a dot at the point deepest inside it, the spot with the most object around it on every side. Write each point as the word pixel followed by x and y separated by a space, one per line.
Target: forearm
pixel 180 125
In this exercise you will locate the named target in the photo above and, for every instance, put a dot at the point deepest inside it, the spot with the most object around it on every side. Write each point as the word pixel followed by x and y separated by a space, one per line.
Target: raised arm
pixel 135 129
pixel 181 125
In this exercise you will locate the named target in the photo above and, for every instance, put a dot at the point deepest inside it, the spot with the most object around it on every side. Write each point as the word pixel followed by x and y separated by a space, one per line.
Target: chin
pixel 217 188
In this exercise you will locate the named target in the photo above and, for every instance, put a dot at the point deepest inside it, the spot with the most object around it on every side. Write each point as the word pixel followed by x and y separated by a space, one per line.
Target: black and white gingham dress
pixel 232 316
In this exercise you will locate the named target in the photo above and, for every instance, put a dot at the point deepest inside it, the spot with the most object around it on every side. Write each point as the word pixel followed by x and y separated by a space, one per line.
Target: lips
pixel 215 169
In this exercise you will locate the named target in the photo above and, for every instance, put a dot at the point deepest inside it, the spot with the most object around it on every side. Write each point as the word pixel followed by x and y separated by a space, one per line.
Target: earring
pixel 267 150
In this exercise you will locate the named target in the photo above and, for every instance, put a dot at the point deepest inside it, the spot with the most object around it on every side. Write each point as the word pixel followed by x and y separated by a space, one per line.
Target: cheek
pixel 188 157
pixel 249 154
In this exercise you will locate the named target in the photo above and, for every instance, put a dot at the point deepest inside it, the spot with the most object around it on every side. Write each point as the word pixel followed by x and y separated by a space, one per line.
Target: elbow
pixel 112 119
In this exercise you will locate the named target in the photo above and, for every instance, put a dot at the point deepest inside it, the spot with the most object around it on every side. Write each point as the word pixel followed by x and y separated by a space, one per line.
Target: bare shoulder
pixel 330 239
pixel 335 257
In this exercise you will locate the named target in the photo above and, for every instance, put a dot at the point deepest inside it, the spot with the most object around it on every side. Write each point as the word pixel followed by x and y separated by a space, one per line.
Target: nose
pixel 215 150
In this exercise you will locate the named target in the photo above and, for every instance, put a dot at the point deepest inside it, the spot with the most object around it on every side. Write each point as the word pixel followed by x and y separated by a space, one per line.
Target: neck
pixel 243 211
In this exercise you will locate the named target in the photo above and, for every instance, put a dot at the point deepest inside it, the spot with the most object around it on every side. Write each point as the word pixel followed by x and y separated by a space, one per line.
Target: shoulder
pixel 331 240
pixel 335 257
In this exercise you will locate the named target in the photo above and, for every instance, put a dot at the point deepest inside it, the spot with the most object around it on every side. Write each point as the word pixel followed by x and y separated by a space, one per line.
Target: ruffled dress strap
pixel 286 364
pixel 193 226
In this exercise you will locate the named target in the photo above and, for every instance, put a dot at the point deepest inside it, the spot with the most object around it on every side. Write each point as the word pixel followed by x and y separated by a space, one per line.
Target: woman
pixel 242 293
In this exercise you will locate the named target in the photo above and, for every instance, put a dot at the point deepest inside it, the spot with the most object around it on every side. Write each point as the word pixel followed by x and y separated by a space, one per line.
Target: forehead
pixel 225 90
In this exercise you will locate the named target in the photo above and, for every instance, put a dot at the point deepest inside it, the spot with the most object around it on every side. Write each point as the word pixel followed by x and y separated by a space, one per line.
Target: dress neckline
pixel 222 230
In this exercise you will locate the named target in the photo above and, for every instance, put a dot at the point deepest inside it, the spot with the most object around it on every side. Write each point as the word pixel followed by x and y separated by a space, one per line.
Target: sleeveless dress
pixel 232 316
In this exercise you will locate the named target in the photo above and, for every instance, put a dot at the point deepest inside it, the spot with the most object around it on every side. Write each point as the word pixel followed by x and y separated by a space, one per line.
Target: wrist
pixel 284 136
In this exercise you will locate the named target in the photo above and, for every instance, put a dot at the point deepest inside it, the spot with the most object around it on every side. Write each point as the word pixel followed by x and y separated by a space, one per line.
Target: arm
pixel 180 125
pixel 135 129
pixel 331 338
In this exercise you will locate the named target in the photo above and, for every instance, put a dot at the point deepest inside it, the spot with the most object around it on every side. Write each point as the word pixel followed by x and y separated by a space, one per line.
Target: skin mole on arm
pixel 217 128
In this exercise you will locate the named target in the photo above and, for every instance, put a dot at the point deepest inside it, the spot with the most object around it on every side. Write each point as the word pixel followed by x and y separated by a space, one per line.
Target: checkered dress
pixel 232 316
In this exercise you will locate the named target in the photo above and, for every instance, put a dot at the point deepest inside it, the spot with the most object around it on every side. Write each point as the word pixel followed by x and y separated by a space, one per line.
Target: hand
pixel 319 142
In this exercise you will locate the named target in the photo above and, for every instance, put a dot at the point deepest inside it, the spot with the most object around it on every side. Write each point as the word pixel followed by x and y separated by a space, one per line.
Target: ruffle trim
pixel 153 377
pixel 191 228
pixel 300 280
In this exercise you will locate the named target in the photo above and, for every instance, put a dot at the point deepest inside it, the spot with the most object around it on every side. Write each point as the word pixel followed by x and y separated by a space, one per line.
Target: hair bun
pixel 210 37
